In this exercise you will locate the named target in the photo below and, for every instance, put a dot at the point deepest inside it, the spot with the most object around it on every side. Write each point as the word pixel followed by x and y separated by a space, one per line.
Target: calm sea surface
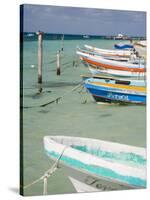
pixel 76 114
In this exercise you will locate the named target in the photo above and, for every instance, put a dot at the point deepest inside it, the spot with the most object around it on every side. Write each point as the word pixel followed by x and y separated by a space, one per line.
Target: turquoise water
pixel 76 114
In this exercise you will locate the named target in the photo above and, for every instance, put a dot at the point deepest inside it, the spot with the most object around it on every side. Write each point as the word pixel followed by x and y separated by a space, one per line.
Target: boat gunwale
pixel 106 164
pixel 119 52
pixel 117 73
pixel 124 146
pixel 121 87
pixel 108 66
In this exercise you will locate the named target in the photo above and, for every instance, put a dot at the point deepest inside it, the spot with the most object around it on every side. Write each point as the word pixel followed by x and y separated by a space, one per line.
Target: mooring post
pixel 58 63
pixel 45 186
pixel 40 55
pixel 62 39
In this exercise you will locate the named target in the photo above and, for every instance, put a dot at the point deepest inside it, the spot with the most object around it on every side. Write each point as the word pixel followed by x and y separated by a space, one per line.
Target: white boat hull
pixel 82 187
pixel 97 183
pixel 118 73
pixel 94 171
pixel 109 52
pixel 112 63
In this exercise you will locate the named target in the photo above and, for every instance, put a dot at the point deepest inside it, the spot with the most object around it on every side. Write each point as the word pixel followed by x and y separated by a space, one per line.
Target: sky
pixel 84 21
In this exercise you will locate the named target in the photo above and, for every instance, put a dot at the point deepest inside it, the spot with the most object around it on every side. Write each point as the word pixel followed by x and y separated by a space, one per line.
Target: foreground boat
pixel 99 164
pixel 109 92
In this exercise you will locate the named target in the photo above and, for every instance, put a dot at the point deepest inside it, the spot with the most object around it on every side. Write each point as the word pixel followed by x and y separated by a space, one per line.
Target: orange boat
pixel 113 65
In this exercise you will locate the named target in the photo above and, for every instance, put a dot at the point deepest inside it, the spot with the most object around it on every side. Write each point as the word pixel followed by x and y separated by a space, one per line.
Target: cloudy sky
pixel 89 21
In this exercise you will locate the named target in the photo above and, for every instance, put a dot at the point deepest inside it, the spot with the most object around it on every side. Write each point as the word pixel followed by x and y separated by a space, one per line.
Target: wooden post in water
pixel 58 63
pixel 40 55
pixel 62 39
pixel 45 186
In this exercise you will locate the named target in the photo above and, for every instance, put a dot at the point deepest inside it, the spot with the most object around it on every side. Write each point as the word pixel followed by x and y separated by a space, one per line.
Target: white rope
pixel 47 174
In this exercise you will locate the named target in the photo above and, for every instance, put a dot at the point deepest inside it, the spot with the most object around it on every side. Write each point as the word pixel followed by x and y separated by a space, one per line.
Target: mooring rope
pixel 50 62
pixel 56 99
pixel 47 174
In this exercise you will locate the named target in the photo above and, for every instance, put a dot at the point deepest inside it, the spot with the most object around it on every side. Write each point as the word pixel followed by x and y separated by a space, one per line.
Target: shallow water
pixel 75 114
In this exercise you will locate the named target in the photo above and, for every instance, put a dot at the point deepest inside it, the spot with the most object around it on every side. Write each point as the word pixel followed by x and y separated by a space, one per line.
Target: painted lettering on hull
pixel 110 95
pixel 94 182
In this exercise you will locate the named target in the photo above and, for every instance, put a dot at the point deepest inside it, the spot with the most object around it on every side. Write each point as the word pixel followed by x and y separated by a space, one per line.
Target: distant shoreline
pixel 31 36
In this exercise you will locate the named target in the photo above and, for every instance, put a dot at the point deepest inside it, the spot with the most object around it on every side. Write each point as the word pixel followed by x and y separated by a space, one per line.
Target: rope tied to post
pixel 47 174
pixel 58 98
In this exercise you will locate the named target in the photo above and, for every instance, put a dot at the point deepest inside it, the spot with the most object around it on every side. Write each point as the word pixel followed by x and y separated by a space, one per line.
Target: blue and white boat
pixel 97 165
pixel 109 92
pixel 124 46
pixel 114 80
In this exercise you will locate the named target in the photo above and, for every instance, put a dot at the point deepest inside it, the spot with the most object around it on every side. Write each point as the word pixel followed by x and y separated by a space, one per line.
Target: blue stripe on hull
pixel 113 95
pixel 100 171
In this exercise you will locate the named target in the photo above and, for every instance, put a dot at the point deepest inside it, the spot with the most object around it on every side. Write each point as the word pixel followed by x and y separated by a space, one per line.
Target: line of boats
pixel 96 165
pixel 117 76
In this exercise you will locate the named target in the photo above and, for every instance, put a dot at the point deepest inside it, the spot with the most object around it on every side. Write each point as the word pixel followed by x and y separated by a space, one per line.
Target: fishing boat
pixel 116 73
pixel 124 46
pixel 116 80
pixel 83 52
pixel 88 54
pixel 103 63
pixel 108 52
pixel 141 48
pixel 97 165
pixel 112 92
pixel 142 43
pixel 96 70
